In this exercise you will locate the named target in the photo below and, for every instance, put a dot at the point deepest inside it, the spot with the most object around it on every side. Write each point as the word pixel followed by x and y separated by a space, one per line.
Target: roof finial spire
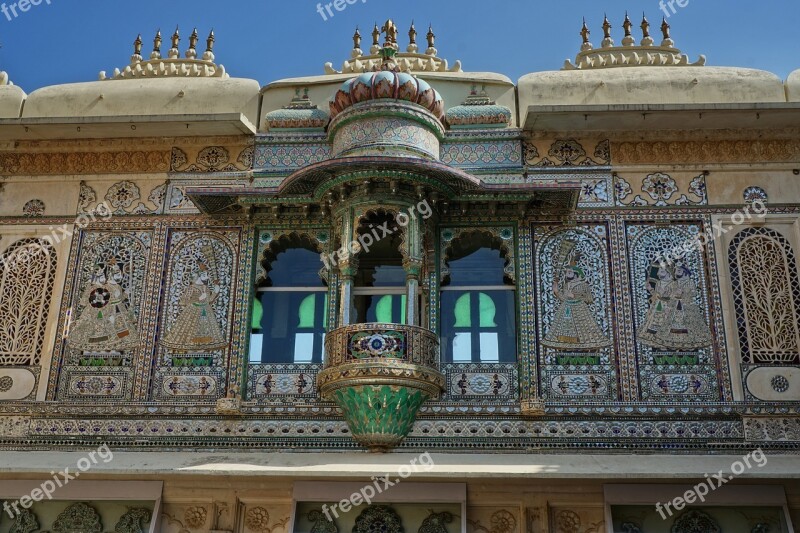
pixel 608 42
pixel 390 29
pixel 412 40
pixel 156 46
pixel 646 39
pixel 191 53
pixel 357 52
pixel 585 33
pixel 376 40
pixel 665 27
pixel 208 55
pixel 627 25
pixel 431 51
pixel 174 53
pixel 137 49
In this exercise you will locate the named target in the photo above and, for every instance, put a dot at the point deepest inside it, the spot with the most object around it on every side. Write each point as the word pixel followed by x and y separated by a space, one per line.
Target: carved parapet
pixel 379 375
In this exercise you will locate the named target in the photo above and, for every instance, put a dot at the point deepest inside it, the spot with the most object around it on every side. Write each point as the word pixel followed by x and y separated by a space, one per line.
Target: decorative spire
pixel 175 66
pixel 413 58
pixel 137 48
pixel 412 40
pixel 431 51
pixel 357 52
pixel 191 53
pixel 390 29
pixel 376 40
pixel 607 40
pixel 390 48
pixel 585 33
pixel 174 53
pixel 209 53
pixel 646 39
pixel 628 40
pixel 628 54
pixel 665 27
pixel 156 46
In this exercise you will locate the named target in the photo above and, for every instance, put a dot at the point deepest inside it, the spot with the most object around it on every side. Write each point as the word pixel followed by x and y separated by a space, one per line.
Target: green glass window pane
pixel 403 300
pixel 258 314
pixel 306 311
pixel 325 313
pixel 462 312
pixel 383 311
pixel 487 311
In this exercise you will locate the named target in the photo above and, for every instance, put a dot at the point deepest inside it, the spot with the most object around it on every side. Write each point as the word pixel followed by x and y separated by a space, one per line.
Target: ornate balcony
pixel 380 375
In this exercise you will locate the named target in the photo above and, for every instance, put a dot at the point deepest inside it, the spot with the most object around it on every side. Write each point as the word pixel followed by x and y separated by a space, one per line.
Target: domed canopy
pixel 478 111
pixel 793 86
pixel 388 83
pixel 300 114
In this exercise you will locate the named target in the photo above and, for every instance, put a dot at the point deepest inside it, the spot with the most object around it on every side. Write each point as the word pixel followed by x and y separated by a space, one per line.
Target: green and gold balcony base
pixel 379 375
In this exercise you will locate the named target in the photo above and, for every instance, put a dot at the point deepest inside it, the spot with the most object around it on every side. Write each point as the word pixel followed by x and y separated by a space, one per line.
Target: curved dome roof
pixel 650 85
pixel 11 98
pixel 165 85
pixel 146 96
pixel 386 84
pixel 793 86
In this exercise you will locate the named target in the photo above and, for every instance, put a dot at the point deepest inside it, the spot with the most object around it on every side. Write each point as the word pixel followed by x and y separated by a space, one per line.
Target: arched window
pixel 767 296
pixel 290 308
pixel 478 304
pixel 379 291
pixel 26 290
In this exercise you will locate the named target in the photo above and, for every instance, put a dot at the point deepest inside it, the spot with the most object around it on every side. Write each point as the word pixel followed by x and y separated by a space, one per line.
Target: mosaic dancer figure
pixel 196 327
pixel 107 323
pixel 573 327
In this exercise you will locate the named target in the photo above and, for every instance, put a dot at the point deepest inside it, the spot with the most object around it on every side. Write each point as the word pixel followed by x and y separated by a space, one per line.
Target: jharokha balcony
pixel 379 375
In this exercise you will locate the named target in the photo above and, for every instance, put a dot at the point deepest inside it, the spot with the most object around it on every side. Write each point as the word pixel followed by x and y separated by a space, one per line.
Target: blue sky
pixel 72 40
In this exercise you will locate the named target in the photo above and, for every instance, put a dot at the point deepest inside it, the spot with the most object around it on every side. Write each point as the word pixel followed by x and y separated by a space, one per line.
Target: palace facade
pixel 568 304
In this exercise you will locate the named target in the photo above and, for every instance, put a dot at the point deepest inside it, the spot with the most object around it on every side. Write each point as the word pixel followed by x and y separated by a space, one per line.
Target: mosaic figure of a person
pixel 197 327
pixel 107 323
pixel 574 327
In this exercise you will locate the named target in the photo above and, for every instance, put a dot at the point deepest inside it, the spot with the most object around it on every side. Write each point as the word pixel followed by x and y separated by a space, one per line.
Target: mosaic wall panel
pixel 766 295
pixel 482 154
pixel 282 382
pixel 124 197
pixel 481 382
pixel 660 190
pixel 674 314
pixel 575 330
pixel 278 153
pixel 441 430
pixel 103 315
pixel 196 314
pixel 393 136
